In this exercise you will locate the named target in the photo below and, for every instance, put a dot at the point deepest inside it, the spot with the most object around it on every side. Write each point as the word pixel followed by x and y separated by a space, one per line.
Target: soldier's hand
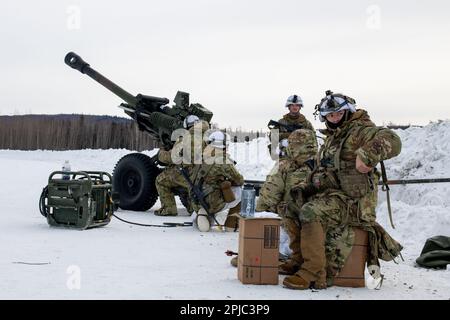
pixel 361 167
pixel 296 191
pixel 282 208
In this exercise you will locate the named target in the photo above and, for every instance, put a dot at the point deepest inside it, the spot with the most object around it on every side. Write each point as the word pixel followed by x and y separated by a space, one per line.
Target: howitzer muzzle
pixel 75 61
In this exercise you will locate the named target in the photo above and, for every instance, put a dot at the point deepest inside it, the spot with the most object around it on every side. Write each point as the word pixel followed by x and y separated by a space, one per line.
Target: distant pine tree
pixel 72 132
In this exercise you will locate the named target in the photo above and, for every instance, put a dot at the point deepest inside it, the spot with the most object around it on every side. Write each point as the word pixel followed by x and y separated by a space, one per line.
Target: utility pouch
pixel 354 183
pixel 324 179
pixel 387 248
pixel 227 192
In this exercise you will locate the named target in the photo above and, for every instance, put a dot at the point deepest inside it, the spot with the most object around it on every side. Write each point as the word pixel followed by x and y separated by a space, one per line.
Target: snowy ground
pixel 121 261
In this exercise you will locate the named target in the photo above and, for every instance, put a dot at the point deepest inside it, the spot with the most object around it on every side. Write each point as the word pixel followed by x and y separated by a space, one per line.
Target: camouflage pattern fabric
pixel 288 173
pixel 171 177
pixel 358 136
pixel 337 204
pixel 165 182
pixel 298 119
pixel 217 167
pixel 275 194
pixel 195 147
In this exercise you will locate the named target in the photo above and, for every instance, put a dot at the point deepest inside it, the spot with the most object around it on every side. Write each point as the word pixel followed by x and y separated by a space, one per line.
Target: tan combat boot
pixel 292 265
pixel 288 267
pixel 166 211
pixel 232 221
pixel 312 272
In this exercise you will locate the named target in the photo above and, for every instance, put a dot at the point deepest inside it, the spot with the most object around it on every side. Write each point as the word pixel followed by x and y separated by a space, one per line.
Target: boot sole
pixel 298 287
pixel 294 287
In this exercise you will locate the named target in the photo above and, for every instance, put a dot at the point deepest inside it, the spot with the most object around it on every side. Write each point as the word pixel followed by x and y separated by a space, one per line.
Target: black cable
pixel 165 225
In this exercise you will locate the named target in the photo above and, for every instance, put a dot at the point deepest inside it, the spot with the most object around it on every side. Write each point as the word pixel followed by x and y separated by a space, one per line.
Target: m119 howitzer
pixel 135 174
pixel 151 113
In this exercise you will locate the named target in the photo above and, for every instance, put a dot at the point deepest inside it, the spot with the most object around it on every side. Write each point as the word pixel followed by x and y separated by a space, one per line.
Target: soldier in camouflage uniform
pixel 219 180
pixel 171 177
pixel 342 192
pixel 294 103
pixel 275 194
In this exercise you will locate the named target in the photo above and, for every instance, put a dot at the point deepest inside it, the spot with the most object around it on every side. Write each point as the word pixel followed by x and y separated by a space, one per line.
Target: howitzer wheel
pixel 134 179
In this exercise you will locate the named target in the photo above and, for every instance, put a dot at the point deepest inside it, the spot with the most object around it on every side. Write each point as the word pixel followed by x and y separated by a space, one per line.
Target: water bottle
pixel 248 201
pixel 66 168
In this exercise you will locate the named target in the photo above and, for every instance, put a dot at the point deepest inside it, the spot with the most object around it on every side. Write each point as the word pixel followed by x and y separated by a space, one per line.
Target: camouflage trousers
pixel 338 236
pixel 167 180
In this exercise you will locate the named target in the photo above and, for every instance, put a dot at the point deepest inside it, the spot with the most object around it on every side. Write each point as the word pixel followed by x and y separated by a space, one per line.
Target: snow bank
pixel 420 211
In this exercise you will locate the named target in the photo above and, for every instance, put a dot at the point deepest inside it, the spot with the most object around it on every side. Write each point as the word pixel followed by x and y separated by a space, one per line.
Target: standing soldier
pixel 342 190
pixel 171 177
pixel 294 118
pixel 219 182
pixel 275 194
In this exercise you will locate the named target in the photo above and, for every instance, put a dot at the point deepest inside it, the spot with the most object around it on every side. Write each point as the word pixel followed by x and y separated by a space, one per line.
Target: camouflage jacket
pixel 284 134
pixel 290 119
pixel 197 144
pixel 275 194
pixel 217 167
pixel 337 174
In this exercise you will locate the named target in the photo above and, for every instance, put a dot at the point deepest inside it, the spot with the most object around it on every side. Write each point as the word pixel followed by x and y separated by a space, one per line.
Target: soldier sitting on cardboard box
pixel 171 178
pixel 275 194
pixel 342 191
pixel 294 104
pixel 220 183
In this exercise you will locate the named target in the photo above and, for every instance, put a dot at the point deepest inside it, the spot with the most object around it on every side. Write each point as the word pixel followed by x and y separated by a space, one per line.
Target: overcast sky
pixel 241 59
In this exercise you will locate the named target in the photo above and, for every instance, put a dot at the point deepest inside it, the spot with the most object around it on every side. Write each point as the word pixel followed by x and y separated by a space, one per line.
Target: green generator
pixel 78 200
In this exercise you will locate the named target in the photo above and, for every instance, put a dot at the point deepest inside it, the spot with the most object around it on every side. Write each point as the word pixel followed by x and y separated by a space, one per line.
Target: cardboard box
pixel 259 240
pixel 352 274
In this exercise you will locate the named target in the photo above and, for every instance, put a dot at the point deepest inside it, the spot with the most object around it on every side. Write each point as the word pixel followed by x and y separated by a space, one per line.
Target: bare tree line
pixel 74 132
pixel 71 132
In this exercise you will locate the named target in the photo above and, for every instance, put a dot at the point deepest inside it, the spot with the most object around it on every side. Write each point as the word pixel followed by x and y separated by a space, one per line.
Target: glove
pixel 297 194
pixel 300 193
pixel 309 190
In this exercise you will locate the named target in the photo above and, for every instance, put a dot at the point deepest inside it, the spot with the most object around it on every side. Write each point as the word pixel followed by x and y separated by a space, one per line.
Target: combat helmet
pixel 218 139
pixel 190 120
pixel 334 102
pixel 294 99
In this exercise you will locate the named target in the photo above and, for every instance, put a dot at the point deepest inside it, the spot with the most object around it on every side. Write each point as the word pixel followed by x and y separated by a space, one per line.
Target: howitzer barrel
pixel 258 183
pixel 418 181
pixel 159 100
pixel 76 62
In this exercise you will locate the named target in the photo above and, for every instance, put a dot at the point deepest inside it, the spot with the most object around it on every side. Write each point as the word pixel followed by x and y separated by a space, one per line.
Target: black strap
pixel 385 187
pixel 164 225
